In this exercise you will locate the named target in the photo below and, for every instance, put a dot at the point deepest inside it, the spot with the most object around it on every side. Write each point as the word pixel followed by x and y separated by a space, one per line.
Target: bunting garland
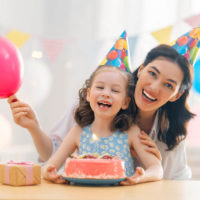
pixel 54 47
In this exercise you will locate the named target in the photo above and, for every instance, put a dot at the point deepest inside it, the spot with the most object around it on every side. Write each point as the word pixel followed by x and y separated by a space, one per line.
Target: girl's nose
pixel 106 93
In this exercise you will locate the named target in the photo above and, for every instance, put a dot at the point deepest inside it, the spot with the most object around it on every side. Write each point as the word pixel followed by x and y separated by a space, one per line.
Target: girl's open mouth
pixel 104 104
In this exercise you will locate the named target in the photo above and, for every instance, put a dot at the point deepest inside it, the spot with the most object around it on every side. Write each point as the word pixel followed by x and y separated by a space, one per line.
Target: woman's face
pixel 158 83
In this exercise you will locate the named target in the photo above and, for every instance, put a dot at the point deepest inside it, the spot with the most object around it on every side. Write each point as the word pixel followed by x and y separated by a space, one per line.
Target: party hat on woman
pixel 118 56
pixel 188 44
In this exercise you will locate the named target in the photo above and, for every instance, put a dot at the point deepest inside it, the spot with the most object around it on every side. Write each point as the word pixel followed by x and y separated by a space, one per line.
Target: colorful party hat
pixel 188 44
pixel 118 54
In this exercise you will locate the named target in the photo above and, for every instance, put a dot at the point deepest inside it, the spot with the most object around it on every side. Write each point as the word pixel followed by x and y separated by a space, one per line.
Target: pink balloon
pixel 11 68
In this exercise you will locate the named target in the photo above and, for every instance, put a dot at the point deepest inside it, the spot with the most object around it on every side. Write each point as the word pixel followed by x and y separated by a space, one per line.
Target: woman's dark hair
pixel 84 115
pixel 173 116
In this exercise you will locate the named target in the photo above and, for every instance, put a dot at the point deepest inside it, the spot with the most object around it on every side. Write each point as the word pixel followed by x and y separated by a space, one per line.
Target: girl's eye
pixel 169 86
pixel 116 91
pixel 152 73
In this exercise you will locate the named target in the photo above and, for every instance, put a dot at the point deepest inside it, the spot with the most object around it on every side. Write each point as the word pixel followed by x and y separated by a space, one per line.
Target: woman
pixel 162 87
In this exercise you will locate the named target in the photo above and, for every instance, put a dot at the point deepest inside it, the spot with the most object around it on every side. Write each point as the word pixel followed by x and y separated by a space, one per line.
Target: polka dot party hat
pixel 118 54
pixel 188 44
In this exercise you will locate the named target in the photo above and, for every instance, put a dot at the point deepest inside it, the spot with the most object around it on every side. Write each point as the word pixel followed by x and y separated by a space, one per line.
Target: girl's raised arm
pixel 25 117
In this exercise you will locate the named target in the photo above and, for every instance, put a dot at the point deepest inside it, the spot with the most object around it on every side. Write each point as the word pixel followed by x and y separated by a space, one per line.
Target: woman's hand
pixel 151 146
pixel 136 178
pixel 23 114
pixel 50 173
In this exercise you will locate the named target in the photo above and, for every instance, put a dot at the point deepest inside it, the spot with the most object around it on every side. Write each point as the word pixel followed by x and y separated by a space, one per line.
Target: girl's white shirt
pixel 174 162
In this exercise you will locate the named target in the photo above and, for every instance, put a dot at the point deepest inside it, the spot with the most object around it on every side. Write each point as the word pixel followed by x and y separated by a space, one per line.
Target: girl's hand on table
pixel 136 178
pixel 50 174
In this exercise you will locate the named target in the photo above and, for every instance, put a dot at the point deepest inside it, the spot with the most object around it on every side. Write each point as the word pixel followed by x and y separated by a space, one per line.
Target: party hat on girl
pixel 118 56
pixel 188 44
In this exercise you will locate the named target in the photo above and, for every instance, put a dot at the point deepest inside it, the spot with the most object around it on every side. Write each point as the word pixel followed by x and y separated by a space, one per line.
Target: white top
pixel 174 162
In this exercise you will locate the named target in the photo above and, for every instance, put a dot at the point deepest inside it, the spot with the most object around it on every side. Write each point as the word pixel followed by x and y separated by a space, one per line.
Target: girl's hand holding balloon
pixel 23 114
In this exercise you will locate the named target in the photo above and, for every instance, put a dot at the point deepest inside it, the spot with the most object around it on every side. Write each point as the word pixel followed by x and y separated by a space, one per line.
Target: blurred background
pixel 63 41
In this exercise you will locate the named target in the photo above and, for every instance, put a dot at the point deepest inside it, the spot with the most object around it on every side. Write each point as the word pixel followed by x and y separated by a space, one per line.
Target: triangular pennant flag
pixel 18 38
pixel 193 21
pixel 53 48
pixel 132 44
pixel 163 35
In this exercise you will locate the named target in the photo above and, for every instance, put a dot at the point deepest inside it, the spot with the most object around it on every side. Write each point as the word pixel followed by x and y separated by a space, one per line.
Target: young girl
pixel 104 111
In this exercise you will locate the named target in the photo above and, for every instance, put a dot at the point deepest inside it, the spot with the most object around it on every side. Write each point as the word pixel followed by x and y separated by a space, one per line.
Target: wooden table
pixel 162 190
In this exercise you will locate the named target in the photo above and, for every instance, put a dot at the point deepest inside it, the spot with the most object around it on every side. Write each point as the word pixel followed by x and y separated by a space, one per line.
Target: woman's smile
pixel 147 97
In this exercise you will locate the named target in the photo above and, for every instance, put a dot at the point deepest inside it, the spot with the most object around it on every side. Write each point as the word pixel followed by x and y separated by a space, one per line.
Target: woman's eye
pixel 152 73
pixel 169 86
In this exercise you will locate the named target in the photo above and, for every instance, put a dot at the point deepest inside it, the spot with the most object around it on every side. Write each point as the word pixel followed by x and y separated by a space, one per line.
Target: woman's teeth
pixel 148 96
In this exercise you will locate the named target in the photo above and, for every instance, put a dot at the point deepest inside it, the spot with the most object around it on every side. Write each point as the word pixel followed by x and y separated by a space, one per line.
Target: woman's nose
pixel 155 87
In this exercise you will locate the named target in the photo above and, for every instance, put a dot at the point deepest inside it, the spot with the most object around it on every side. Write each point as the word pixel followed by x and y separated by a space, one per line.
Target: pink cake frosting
pixel 95 168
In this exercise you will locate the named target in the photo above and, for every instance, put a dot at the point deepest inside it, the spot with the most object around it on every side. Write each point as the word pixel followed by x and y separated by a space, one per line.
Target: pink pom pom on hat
pixel 118 54
pixel 188 44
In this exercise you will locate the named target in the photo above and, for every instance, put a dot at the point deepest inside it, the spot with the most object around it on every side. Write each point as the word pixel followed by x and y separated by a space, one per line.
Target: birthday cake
pixel 95 167
pixel 20 173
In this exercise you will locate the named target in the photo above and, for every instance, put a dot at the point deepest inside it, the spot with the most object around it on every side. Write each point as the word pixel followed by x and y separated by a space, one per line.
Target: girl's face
pixel 107 94
pixel 158 83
